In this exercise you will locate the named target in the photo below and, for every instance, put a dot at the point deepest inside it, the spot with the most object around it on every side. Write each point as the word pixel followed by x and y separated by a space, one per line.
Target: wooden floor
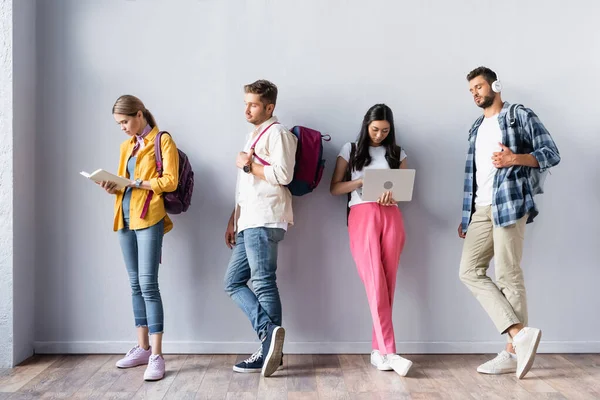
pixel 303 377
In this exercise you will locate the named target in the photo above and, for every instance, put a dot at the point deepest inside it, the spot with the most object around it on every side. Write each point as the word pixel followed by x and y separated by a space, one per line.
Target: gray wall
pixel 331 60
pixel 24 163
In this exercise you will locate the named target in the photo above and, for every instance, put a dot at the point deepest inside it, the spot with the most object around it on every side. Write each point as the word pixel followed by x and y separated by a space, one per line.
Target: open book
pixel 101 175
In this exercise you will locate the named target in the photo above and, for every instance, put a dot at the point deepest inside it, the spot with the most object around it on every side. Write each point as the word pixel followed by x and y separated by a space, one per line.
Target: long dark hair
pixel 362 158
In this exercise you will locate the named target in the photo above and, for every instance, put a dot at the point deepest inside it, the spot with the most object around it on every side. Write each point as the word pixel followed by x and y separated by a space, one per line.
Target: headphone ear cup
pixel 497 86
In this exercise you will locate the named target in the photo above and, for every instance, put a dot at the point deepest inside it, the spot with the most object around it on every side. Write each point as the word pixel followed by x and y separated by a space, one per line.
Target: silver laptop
pixel 398 181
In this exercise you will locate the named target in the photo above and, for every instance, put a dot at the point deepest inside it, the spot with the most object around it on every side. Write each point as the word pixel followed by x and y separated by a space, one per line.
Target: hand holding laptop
pixel 387 199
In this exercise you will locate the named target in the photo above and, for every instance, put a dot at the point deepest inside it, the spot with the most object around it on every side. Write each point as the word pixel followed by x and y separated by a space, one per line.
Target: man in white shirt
pixel 505 148
pixel 261 216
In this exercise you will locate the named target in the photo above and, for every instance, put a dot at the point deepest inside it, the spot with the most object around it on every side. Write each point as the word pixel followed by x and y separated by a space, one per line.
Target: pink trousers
pixel 376 241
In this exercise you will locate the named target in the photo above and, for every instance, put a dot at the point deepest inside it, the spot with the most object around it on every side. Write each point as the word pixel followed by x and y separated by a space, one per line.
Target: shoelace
pixel 257 354
pixel 153 360
pixel 133 351
pixel 500 358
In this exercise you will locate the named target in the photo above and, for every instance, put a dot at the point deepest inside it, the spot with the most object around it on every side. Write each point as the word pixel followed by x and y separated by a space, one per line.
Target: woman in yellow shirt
pixel 141 221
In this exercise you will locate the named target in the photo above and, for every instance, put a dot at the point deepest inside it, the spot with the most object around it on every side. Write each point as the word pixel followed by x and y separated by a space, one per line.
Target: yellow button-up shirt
pixel 145 169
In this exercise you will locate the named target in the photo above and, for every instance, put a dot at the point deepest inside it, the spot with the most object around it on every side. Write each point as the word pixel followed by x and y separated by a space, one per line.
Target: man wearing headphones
pixel 508 146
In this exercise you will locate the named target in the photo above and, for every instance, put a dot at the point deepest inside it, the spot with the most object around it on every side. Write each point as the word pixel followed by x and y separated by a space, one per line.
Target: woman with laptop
pixel 376 227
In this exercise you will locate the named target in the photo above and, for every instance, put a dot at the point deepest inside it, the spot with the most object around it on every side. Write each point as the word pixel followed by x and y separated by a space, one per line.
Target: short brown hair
pixel 265 89
pixel 487 74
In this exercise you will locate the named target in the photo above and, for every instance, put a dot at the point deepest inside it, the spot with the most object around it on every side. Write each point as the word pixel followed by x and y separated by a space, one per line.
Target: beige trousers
pixel 505 300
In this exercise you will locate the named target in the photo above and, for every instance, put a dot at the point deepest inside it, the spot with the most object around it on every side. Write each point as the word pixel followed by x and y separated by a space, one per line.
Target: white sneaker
pixel 526 343
pixel 398 364
pixel 156 368
pixel 379 361
pixel 504 363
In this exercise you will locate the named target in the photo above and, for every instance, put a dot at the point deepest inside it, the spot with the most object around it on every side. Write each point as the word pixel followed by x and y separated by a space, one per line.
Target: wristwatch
pixel 247 169
pixel 138 183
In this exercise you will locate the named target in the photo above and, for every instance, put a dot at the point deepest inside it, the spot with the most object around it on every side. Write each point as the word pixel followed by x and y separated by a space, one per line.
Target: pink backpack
pixel 309 159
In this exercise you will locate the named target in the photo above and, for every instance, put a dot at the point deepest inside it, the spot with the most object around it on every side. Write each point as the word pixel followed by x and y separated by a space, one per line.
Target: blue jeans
pixel 142 250
pixel 254 259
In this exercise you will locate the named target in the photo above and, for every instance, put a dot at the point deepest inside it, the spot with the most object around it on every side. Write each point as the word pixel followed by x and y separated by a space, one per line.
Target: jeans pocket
pixel 275 235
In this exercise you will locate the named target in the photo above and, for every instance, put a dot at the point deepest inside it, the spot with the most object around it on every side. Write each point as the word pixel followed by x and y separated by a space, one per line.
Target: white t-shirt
pixel 378 161
pixel 487 142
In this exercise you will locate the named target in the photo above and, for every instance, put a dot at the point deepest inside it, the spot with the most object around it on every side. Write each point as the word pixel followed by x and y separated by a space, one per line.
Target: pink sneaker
pixel 134 357
pixel 156 368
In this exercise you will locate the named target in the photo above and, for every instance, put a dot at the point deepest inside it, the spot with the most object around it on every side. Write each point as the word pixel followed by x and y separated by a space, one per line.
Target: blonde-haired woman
pixel 141 221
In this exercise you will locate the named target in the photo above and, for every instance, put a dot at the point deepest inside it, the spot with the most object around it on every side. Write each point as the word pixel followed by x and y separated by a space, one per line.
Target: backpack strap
pixel 159 169
pixel 512 115
pixel 399 157
pixel 158 152
pixel 348 177
pixel 263 162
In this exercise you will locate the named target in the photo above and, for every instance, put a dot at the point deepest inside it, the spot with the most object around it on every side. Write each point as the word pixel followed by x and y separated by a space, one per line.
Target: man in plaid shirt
pixel 502 161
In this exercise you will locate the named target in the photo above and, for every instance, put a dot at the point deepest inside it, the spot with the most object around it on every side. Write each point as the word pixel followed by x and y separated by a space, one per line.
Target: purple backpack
pixel 309 159
pixel 179 200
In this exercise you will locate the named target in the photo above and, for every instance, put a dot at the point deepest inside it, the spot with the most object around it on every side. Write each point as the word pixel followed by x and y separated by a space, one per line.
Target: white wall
pixel 6 185
pixel 24 154
pixel 331 60
pixel 17 180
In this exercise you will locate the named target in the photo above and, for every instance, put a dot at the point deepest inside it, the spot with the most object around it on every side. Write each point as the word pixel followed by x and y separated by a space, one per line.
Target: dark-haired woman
pixel 376 229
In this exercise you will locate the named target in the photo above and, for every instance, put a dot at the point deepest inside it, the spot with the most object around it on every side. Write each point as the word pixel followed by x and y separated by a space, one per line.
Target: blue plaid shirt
pixel 511 198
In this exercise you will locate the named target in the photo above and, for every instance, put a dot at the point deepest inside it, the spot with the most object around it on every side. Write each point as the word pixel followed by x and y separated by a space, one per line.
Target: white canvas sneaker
pixel 504 363
pixel 526 343
pixel 379 361
pixel 399 364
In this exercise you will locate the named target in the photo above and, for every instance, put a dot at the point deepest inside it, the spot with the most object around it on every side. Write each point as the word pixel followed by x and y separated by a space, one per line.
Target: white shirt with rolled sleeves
pixel 267 203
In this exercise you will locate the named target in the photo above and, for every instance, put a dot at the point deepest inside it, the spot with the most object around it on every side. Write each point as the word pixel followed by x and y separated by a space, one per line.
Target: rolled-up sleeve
pixel 170 178
pixel 544 149
pixel 282 154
